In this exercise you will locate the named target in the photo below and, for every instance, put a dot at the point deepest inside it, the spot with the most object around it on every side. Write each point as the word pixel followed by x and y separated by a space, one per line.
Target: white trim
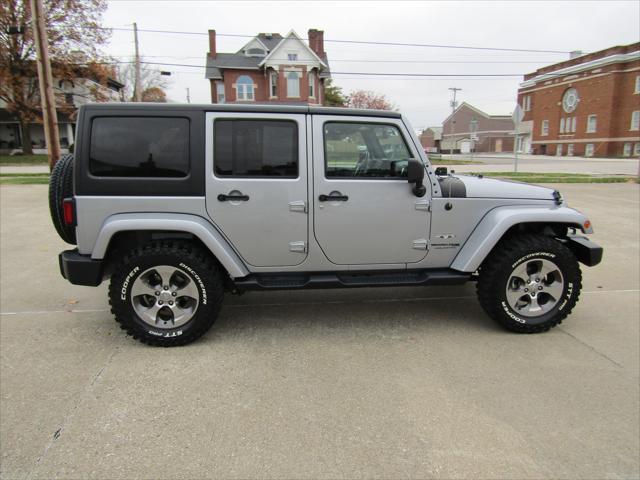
pixel 588 140
pixel 259 41
pixel 550 84
pixel 600 62
pixel 297 37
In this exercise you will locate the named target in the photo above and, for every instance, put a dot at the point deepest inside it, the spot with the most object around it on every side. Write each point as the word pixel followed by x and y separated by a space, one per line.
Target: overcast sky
pixel 558 26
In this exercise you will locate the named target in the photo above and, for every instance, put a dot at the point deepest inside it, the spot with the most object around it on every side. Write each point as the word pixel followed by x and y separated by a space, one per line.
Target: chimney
pixel 212 43
pixel 575 54
pixel 316 41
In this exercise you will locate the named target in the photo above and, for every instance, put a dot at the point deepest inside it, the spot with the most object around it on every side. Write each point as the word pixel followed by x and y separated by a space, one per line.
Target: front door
pixel 498 145
pixel 364 209
pixel 257 185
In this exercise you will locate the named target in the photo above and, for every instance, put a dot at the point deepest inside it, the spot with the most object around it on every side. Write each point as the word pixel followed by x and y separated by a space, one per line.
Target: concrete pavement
pixel 371 383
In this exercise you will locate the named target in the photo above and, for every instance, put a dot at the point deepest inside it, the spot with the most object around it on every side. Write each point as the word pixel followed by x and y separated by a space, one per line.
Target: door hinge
pixel 423 205
pixel 300 247
pixel 298 206
pixel 420 244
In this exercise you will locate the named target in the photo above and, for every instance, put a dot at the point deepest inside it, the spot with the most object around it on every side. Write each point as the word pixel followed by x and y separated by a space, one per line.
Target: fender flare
pixel 197 226
pixel 496 223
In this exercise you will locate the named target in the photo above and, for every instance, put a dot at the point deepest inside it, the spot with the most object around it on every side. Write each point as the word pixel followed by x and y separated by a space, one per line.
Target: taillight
pixel 69 211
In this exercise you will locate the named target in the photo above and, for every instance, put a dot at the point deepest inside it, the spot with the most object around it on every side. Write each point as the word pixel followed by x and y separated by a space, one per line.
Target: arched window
pixel 293 85
pixel 244 88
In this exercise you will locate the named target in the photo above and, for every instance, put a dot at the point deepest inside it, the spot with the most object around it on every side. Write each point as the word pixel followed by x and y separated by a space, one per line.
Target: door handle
pixel 333 198
pixel 233 198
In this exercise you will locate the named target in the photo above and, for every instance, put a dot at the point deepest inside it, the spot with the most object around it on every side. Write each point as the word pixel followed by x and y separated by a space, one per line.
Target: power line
pixel 358 42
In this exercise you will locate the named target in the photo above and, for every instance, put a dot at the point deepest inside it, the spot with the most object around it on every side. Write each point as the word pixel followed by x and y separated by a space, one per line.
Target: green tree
pixel 74 41
pixel 333 96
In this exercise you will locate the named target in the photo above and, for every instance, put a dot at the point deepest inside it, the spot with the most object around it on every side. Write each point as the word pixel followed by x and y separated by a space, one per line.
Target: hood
pixel 475 187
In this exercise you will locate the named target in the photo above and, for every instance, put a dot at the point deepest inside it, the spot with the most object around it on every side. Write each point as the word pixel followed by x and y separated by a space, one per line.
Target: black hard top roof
pixel 246 108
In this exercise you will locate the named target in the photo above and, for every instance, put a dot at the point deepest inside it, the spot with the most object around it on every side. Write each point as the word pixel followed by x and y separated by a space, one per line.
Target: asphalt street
pixel 365 383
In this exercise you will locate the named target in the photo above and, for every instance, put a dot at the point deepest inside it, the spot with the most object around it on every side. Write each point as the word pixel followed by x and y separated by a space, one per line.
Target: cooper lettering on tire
pixel 166 293
pixel 529 283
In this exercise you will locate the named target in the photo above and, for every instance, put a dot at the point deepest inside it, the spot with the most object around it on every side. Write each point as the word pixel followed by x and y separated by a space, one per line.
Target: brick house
pixel 430 139
pixel 470 129
pixel 588 105
pixel 269 68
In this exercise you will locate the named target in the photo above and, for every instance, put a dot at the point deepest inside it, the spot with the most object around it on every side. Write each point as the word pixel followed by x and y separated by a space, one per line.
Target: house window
pixel 573 125
pixel 292 57
pixel 293 85
pixel 592 123
pixel 526 103
pixel 562 124
pixel 559 150
pixel 637 89
pixel 588 150
pixel 220 92
pixel 244 88
pixel 312 84
pixel 636 150
pixel 545 128
pixel 570 150
pixel 274 84
pixel 635 120
pixel 626 151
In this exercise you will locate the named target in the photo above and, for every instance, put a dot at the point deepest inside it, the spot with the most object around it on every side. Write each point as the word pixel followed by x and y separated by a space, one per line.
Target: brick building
pixel 430 139
pixel 470 129
pixel 587 106
pixel 269 68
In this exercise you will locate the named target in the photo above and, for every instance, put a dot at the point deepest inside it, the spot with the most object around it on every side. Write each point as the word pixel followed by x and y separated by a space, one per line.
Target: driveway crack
pixel 72 411
pixel 592 348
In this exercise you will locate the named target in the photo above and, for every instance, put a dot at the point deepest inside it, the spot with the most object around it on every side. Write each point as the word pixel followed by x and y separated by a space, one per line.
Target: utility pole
pixel 137 94
pixel 45 81
pixel 188 97
pixel 454 104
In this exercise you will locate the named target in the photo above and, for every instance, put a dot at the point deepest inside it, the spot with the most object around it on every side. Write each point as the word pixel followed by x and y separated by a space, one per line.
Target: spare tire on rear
pixel 61 187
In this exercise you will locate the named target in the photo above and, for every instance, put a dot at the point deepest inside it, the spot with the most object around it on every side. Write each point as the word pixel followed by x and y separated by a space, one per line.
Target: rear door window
pixel 255 148
pixel 139 147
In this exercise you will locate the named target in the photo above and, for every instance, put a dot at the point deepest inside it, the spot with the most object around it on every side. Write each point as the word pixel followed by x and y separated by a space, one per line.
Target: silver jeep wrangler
pixel 178 204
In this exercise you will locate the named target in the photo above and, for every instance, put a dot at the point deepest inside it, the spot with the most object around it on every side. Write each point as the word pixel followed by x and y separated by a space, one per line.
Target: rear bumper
pixel 80 269
pixel 585 250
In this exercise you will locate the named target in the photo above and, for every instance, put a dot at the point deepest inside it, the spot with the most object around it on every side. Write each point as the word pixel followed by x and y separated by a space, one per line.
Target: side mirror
pixel 415 174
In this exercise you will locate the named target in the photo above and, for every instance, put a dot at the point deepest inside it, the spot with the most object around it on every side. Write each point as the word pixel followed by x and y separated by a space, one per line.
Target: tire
pixel 522 298
pixel 136 293
pixel 61 187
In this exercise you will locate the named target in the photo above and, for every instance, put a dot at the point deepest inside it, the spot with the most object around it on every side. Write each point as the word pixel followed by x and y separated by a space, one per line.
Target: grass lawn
pixel 24 178
pixel 533 177
pixel 24 159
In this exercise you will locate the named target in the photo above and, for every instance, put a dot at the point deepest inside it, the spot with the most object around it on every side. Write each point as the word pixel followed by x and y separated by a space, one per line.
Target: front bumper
pixel 585 250
pixel 80 269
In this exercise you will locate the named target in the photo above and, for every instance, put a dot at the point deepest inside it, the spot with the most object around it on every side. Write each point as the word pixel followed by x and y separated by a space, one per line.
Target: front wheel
pixel 529 283
pixel 166 293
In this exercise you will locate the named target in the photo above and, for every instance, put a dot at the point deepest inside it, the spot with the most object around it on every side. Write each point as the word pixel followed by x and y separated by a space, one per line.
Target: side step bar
pixel 293 281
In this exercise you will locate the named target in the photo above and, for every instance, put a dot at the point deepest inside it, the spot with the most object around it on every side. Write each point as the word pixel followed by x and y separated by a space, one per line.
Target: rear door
pixel 365 211
pixel 256 187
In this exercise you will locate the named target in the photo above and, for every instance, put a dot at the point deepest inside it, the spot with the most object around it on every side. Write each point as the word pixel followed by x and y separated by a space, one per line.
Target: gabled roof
pixel 230 60
pixel 293 34
pixel 477 110
pixel 269 40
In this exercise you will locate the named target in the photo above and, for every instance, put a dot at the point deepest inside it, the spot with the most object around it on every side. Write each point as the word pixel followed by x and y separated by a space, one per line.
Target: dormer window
pixel 255 52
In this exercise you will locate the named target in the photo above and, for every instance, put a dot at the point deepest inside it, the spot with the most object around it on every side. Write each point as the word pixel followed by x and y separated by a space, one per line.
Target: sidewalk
pixel 24 169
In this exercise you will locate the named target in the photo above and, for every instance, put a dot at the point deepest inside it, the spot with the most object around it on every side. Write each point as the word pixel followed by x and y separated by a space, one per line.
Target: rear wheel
pixel 166 293
pixel 529 283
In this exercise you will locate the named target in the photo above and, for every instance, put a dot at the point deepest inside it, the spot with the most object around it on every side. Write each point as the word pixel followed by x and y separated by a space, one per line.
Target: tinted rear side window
pixel 256 148
pixel 139 147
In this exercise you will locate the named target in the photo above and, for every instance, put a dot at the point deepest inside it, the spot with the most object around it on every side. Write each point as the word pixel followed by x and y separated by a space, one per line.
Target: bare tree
pixel 150 80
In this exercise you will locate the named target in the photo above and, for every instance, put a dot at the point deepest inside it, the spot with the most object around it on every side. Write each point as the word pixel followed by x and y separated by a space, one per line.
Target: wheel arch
pixel 501 222
pixel 124 231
